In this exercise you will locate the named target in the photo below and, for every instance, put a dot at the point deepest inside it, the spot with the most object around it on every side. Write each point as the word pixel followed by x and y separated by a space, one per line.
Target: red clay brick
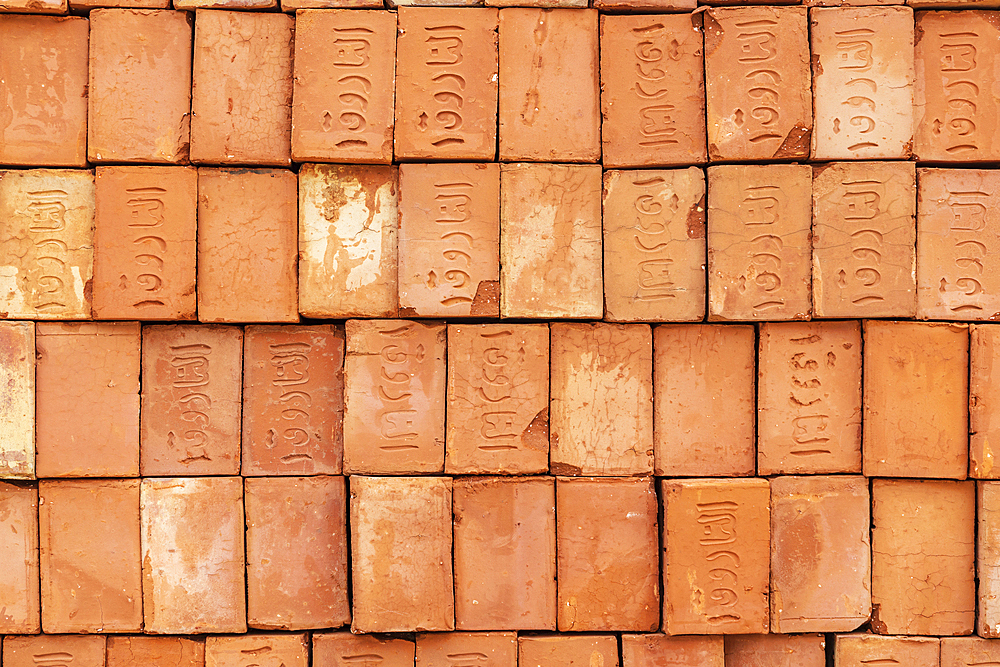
pixel 966 651
pixel 158 651
pixel 654 245
pixel 185 521
pixel 44 87
pixel 342 102
pixel 984 418
pixel 664 651
pixel 401 547
pixel 759 104
pixel 296 552
pixel 87 399
pixel 191 378
pixel 446 83
pixel 19 593
pixel 54 650
pixel 916 389
pixel 775 651
pixel 293 397
pixel 242 88
pixel 343 649
pixel 923 557
pixel 247 245
pixel 505 553
pixel 602 399
pixel 715 555
pixel 259 5
pixel 140 86
pixel 17 410
pixel 145 243
pixel 498 399
pixel 394 397
pixel 703 400
pixel 568 651
pixel 39 7
pixel 809 399
pixel 549 92
pixel 864 232
pixel 347 241
pixel 486 649
pixel 292 6
pixel 608 571
pixel 257 650
pixel 863 650
pixel 988 559
pixel 85 5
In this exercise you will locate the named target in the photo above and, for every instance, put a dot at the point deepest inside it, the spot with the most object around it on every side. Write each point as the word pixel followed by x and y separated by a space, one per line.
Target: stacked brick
pixel 624 334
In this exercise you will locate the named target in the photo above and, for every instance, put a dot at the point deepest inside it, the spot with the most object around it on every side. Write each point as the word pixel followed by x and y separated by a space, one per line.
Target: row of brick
pixel 604 399
pixel 524 240
pixel 739 556
pixel 752 83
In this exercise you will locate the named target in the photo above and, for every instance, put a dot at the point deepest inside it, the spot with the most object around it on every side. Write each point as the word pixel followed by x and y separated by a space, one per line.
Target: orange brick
pixel 17 410
pixel 861 650
pixel 292 6
pixel 257 650
pixel 988 559
pixel 342 649
pixel 664 651
pixel 775 651
pixel 31 651
pixel 965 651
pixel 488 649
pixel 19 591
pixel 568 650
pixel 984 419
pixel 160 651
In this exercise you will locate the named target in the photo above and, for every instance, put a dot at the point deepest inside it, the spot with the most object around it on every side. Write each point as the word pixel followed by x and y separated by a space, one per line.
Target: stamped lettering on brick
pixel 443 54
pixel 717 525
pixel 396 416
pixel 470 659
pixel 759 210
pixel 809 427
pixel 497 423
pixel 858 108
pixel 967 221
pixel 55 659
pixel 147 210
pixel 47 209
pixel 653 53
pixel 651 237
pixel 962 83
pixel 453 199
pixel 861 201
pixel 191 368
pixel 362 659
pixel 352 61
pixel 759 47
pixel 290 362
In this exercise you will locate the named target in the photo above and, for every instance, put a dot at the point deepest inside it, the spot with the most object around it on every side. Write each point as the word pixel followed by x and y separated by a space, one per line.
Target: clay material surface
pixel 343 96
pixel 916 392
pixel 863 650
pixel 775 651
pixel 488 649
pixel 343 649
pixel 87 399
pixel 17 409
pixel 966 651
pixel 758 242
pixel 246 245
pixel 664 651
pixel 550 241
pixel 757 80
pixel 984 401
pixel 31 651
pixel 550 89
pixel 809 399
pixel 862 61
pixel 90 563
pixel 401 554
pixel 654 245
pixel 293 5
pixel 46 244
pixel 242 88
pixel 715 556
pixel 191 379
pixel 257 650
pixel 652 90
pixel 159 651
pixel 704 403
pixel 568 650
pixel 145 243
pixel 988 559
pixel 449 240
pixel 193 555
pixel 19 591
pixel 347 241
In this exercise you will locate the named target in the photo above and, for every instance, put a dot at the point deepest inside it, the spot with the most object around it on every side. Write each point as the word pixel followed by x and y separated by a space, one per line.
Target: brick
pixel 654 245
pixel 446 83
pixel 958 237
pixel 226 4
pixel 516 588
pixel 864 232
pixel 498 399
pixel 257 650
pixel 951 4
pixel 923 557
pixel 820 554
pixel 31 651
pixel 449 240
pixel 759 242
pixel 342 106
pixel 715 554
pixel 401 554
pixel 610 366
pixel 292 6
pixel 293 400
pixel 296 552
pixel 608 571
pixel 182 520
pixel 17 410
pixel 347 241
pixel 549 94
pixel 775 651
pixel 988 559
pixel 651 6
pixel 191 381
pixel 394 397
pixel 861 650
pixel 85 5
pixel 87 399
pixel 757 80
pixel 703 400
pixel 984 420
pixel 46 244
pixel 247 245
pixel 145 243
pixel 916 410
pixel 160 651
pixel 90 562
pixel 664 651
pixel 955 105
pixel 44 87
pixel 19 592
pixel 652 89
pixel 242 88
pixel 550 241
pixel 39 7
pixel 140 86
pixel 343 649
pixel 965 651
pixel 488 649
pixel 862 60
pixel 568 650
pixel 809 399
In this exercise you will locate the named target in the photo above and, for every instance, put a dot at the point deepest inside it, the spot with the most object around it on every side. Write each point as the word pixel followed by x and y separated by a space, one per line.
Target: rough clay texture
pixel 984 401
pixel 863 650
pixel 342 649
pixel 657 650
pixel 19 588
pixel 82 650
pixel 775 651
pixel 966 651
pixel 159 651
pixel 568 651
pixel 257 650
pixel 988 559
pixel 495 649
pixel 17 405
